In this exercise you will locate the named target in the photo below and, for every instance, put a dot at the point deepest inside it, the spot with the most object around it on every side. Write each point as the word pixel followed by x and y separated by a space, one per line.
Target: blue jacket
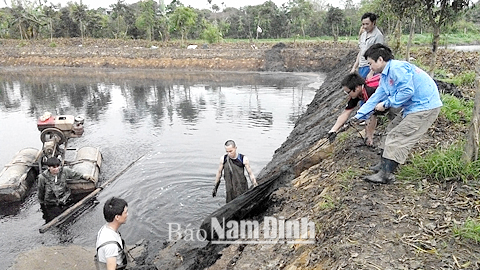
pixel 403 84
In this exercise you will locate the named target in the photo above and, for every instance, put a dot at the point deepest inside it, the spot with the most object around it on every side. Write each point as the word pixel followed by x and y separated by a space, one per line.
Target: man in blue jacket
pixel 401 85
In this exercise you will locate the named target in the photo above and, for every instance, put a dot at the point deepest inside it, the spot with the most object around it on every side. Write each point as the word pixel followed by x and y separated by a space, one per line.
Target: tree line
pixel 151 20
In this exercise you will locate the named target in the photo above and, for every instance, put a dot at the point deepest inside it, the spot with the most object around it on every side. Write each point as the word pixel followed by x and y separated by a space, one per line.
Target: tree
pixel 68 28
pixel 147 18
pixel 439 13
pixel 300 12
pixel 51 12
pixel 470 152
pixel 119 13
pixel 335 17
pixel 29 18
pixel 96 24
pixel 5 21
pixel 78 13
pixel 182 19
pixel 211 33
pixel 404 10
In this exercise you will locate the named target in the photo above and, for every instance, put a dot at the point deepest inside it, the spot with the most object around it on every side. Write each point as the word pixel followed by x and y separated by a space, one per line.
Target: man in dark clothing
pixel 52 183
pixel 232 166
pixel 358 91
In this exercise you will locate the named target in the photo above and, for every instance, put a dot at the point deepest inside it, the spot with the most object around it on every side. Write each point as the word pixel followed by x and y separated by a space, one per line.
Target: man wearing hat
pixel 52 183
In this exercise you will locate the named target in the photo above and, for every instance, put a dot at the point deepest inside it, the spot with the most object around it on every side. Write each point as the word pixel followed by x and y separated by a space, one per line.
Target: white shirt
pixel 106 234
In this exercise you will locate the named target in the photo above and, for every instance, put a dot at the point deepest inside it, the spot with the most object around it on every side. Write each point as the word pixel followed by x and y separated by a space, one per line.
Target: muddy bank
pixel 301 57
pixel 359 225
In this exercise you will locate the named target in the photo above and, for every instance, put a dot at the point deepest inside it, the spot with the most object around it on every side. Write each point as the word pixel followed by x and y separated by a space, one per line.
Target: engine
pixel 56 130
pixel 61 126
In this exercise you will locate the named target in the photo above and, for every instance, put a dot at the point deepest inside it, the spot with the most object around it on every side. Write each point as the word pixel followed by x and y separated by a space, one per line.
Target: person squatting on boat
pixel 111 253
pixel 404 85
pixel 52 183
pixel 232 167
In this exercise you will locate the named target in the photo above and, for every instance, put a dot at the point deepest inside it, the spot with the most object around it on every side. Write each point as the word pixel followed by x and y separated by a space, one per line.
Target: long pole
pixel 67 213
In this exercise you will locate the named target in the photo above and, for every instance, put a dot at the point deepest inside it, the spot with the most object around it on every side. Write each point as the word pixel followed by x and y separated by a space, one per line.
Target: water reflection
pixel 178 122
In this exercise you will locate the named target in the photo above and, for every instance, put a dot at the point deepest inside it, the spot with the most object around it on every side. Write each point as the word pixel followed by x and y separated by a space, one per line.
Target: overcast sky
pixel 194 3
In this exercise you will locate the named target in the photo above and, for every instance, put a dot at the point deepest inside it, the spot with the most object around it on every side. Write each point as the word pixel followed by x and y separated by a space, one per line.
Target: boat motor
pixel 56 130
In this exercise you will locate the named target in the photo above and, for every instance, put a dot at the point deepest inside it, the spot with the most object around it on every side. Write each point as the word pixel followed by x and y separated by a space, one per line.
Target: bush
pixel 212 34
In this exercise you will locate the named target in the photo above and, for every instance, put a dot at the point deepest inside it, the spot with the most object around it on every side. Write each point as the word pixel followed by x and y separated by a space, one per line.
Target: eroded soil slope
pixel 405 225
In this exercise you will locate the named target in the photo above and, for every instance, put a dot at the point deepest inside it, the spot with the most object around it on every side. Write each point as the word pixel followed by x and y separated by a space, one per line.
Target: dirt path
pixel 56 258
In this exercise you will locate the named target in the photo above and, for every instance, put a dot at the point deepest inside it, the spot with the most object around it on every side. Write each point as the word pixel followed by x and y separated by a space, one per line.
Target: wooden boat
pixel 18 176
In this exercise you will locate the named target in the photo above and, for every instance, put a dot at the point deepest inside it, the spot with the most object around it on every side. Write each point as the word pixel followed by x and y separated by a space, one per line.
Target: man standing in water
pixel 232 166
pixel 52 183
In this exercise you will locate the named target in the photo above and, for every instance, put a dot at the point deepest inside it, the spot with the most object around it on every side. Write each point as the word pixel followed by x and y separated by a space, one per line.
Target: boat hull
pixel 88 160
pixel 18 176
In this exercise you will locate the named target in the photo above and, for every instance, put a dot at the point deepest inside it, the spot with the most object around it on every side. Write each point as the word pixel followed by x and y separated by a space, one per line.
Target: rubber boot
pixel 377 167
pixel 385 175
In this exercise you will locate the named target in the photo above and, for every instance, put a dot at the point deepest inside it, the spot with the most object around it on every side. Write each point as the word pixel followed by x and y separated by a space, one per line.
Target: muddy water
pixel 177 124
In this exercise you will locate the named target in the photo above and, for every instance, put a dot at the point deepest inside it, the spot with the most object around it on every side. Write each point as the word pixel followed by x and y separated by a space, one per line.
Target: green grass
pixel 349 175
pixel 418 39
pixel 470 230
pixel 464 79
pixel 440 165
pixel 457 38
pixel 329 203
pixel 456 110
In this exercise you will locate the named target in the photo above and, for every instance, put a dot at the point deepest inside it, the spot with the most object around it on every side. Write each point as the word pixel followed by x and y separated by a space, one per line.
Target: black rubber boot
pixel 378 166
pixel 385 175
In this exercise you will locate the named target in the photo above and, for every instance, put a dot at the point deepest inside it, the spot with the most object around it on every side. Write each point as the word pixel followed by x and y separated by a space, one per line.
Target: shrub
pixel 212 34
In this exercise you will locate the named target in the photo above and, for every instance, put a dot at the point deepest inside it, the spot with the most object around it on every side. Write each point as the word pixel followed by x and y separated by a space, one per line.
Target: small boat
pixel 18 176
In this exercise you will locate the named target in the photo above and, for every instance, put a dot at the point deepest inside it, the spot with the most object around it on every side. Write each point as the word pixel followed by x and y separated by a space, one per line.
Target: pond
pixel 175 122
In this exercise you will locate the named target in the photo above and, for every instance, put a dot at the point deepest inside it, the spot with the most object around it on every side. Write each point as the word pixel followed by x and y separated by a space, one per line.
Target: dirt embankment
pixel 359 225
pixel 257 56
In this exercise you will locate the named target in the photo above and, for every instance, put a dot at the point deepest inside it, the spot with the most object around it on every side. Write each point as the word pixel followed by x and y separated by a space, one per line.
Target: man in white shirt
pixel 110 246
pixel 370 35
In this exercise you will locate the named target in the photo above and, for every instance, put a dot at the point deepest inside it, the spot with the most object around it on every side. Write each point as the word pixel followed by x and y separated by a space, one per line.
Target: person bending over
pixel 358 91
pixel 403 85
